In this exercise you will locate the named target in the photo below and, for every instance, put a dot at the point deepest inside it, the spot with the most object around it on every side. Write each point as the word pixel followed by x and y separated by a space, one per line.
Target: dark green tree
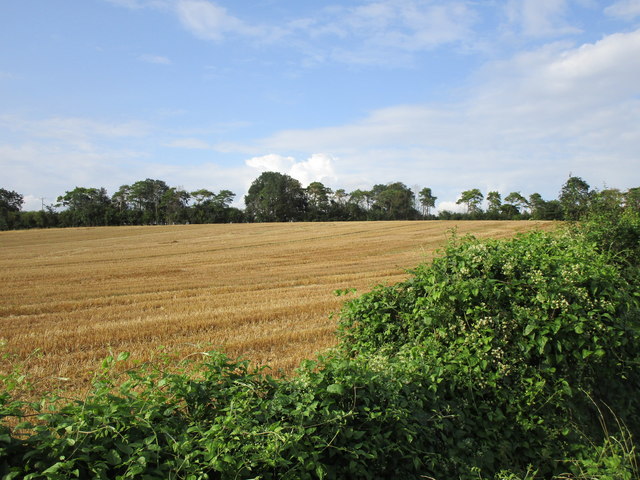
pixel 361 198
pixel 174 205
pixel 471 199
pixel 86 207
pixel 517 200
pixel 146 196
pixel 609 201
pixel 575 198
pixel 211 207
pixel 494 200
pixel 394 201
pixel 318 201
pixel 427 201
pixel 632 199
pixel 10 204
pixel 275 197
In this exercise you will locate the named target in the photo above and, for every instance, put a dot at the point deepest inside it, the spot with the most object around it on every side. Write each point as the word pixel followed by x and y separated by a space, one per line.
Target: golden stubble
pixel 261 291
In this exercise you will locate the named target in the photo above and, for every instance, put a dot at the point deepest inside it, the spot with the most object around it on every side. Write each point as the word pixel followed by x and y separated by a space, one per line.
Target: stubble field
pixel 263 291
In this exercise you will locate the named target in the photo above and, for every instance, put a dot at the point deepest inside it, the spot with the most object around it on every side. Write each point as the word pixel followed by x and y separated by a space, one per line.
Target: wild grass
pixel 261 291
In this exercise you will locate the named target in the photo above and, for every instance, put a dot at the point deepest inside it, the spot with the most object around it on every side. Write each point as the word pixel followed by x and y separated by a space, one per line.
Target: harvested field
pixel 263 291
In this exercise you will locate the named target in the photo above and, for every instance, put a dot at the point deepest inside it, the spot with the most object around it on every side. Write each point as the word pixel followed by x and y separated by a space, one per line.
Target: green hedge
pixel 501 359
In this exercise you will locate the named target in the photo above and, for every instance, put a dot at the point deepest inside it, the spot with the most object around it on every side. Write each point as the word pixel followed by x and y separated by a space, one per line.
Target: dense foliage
pixel 501 359
pixel 276 197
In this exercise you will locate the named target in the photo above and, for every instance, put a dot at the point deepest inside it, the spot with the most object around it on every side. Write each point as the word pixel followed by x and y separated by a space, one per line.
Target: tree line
pixel 277 197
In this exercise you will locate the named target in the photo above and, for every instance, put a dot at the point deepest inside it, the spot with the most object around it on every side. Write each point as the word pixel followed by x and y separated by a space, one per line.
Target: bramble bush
pixel 501 359
pixel 523 339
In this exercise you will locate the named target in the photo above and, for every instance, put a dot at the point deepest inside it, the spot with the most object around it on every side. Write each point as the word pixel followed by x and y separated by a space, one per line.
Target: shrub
pixel 516 336
pixel 498 355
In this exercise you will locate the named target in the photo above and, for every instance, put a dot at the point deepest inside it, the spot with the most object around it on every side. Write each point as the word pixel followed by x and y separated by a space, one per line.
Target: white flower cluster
pixel 508 267
pixel 537 277
pixel 571 274
pixel 477 253
pixel 559 303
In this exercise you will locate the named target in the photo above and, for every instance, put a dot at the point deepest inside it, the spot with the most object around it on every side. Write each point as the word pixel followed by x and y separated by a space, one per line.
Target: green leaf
pixel 529 328
pixel 113 457
pixel 123 356
pixel 336 388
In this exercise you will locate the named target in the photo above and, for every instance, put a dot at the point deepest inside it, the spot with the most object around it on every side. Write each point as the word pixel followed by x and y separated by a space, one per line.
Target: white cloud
pixel 205 19
pixel 271 163
pixel 407 24
pixel 450 207
pixel 626 9
pixel 318 167
pixel 540 18
pixel 539 115
pixel 386 32
pixel 376 33
pixel 210 21
pixel 156 59
pixel 73 132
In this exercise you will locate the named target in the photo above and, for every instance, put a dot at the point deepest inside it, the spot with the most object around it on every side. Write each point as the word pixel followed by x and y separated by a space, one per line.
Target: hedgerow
pixel 500 359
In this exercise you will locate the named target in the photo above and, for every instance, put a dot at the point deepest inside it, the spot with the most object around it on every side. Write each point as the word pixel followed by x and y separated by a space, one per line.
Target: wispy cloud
pixel 625 9
pixel 156 59
pixel 403 24
pixel 210 21
pixel 554 108
pixel 375 32
pixel 72 134
pixel 389 32
pixel 540 18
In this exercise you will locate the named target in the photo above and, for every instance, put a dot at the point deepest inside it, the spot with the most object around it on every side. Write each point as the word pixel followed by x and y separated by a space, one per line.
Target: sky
pixel 512 95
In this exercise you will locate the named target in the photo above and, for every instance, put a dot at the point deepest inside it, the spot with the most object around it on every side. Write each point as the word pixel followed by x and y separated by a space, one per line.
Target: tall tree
pixel 87 207
pixel 275 197
pixel 212 207
pixel 10 201
pixel 632 199
pixel 173 205
pixel 147 196
pixel 472 199
pixel 318 201
pixel 574 198
pixel 202 195
pixel 517 200
pixel 10 204
pixel 609 201
pixel 427 201
pixel 494 199
pixel 394 201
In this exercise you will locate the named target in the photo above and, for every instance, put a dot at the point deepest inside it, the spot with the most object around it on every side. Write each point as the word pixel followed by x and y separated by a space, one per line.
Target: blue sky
pixel 510 95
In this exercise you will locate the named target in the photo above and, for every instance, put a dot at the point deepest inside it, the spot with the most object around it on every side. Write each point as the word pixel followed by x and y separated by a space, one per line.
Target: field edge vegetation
pixel 504 359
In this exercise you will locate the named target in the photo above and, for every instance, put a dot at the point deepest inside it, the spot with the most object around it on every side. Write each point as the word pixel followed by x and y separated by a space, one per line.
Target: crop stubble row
pixel 263 291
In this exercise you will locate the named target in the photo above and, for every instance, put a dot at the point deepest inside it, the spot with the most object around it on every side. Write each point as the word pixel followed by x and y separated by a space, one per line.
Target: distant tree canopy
pixel 394 201
pixel 277 197
pixel 427 201
pixel 10 204
pixel 574 198
pixel 85 207
pixel 471 199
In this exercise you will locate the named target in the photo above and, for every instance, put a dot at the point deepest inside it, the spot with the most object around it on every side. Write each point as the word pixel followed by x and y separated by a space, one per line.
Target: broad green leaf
pixel 336 388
